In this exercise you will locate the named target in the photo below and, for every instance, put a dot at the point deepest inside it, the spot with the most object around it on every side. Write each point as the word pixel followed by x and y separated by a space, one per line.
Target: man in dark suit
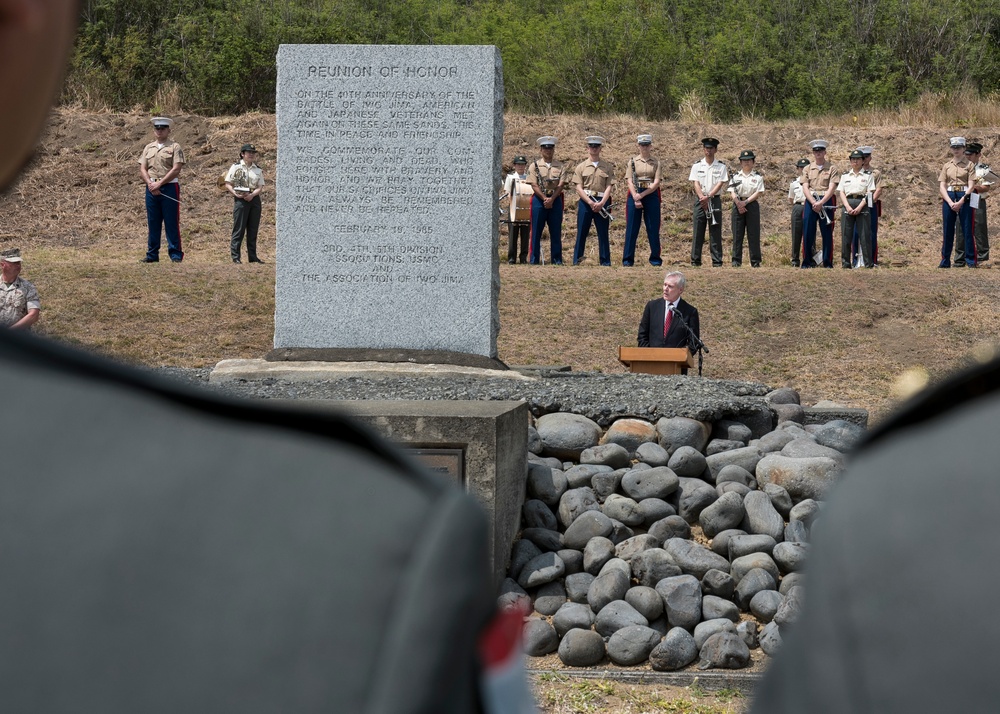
pixel 661 327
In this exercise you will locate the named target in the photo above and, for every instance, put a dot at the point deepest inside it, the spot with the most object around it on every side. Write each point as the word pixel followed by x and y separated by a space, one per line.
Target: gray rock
pixel 546 484
pixel 673 432
pixel 589 524
pixel 793 428
pixel 759 419
pixel 782 395
pixel 651 566
pixel 752 583
pixel 577 586
pixel 534 441
pixel 549 598
pixel 655 509
pixel 761 517
pixel 747 544
pixel 790 609
pixel 624 509
pixel 801 477
pixel 735 472
pixel 718 446
pixel 572 615
pixel 513 596
pixel 745 563
pixel 747 457
pixel 805 511
pixel 596 554
pixel 717 583
pixel 704 630
pixel 790 557
pixel 552 463
pixel 765 604
pixel 681 600
pixel 727 512
pixel 770 639
pixel 606 483
pixel 676 650
pixel 573 560
pixel 687 462
pixel 661 625
pixel 621 532
pixel 695 496
pixel 581 648
pixel 747 630
pixel 583 474
pixel 646 601
pixel 566 435
pixel 541 570
pixel 724 650
pixel 535 514
pixel 714 607
pixel 630 646
pixel 732 430
pixel 840 435
pixel 613 456
pixel 540 638
pixel 694 558
pixel 606 589
pixel 545 539
pixel 652 454
pixel 650 483
pixel 617 564
pixel 774 441
pixel 574 502
pixel 628 549
pixel 670 527
pixel 792 580
pixel 796 532
pixel 789 413
pixel 780 499
pixel 732 487
pixel 630 434
pixel 523 551
pixel 720 543
pixel 616 615
pixel 806 447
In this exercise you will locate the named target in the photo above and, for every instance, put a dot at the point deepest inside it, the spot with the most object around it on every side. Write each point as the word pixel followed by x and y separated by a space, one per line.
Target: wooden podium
pixel 655 360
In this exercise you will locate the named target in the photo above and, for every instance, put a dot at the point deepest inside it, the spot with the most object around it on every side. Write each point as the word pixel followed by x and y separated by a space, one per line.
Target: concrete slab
pixel 229 370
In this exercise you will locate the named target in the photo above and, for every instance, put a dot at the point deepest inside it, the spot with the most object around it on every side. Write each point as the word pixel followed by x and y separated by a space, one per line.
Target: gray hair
pixel 681 280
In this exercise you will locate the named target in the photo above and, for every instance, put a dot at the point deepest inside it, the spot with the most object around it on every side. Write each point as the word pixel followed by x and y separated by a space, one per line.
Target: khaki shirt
pixel 820 179
pixel 955 174
pixel 241 176
pixel 546 176
pixel 749 184
pixel 795 192
pixel 158 159
pixel 592 179
pixel 857 184
pixel 16 299
pixel 707 175
pixel 647 171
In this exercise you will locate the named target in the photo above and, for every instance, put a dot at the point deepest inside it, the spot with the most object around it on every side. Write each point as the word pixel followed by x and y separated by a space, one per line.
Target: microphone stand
pixel 693 339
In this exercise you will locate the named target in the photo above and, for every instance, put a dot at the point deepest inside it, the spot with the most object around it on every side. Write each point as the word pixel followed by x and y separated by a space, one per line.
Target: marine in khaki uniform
pixel 708 178
pixel 856 188
pixel 955 184
pixel 643 178
pixel 797 199
pixel 819 182
pixel 547 178
pixel 593 179
pixel 160 164
pixel 746 188
pixel 982 185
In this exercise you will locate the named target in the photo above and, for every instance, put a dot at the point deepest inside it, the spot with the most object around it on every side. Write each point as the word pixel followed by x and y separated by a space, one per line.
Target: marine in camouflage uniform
pixel 20 305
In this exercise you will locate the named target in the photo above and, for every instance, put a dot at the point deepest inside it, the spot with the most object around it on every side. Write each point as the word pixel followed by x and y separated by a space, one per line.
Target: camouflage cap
pixel 11 255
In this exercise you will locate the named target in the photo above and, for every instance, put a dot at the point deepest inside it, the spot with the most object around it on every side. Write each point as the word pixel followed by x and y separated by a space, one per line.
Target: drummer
pixel 515 186
pixel 643 177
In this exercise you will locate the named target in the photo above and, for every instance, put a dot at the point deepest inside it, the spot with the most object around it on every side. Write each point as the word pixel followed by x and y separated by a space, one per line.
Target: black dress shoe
pixel 150 260
pixel 255 260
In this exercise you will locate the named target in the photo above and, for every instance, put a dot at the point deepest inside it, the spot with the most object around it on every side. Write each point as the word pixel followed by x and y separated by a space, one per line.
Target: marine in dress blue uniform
pixel 982 186
pixel 593 179
pixel 547 178
pixel 819 182
pixel 955 184
pixel 159 165
pixel 643 177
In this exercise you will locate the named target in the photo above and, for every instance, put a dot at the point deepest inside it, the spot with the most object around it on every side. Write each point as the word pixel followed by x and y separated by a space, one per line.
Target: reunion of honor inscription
pixel 388 162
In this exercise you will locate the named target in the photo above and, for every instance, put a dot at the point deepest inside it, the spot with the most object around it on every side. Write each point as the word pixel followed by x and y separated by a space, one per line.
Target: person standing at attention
pixel 245 181
pixel 708 177
pixel 159 165
pixel 643 178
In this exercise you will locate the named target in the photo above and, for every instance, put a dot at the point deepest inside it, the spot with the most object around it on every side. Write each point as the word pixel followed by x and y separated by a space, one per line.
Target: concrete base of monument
pixel 365 354
pixel 481 446
pixel 229 370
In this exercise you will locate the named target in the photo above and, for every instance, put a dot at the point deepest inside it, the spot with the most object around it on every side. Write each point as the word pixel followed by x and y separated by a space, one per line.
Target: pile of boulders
pixel 669 542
